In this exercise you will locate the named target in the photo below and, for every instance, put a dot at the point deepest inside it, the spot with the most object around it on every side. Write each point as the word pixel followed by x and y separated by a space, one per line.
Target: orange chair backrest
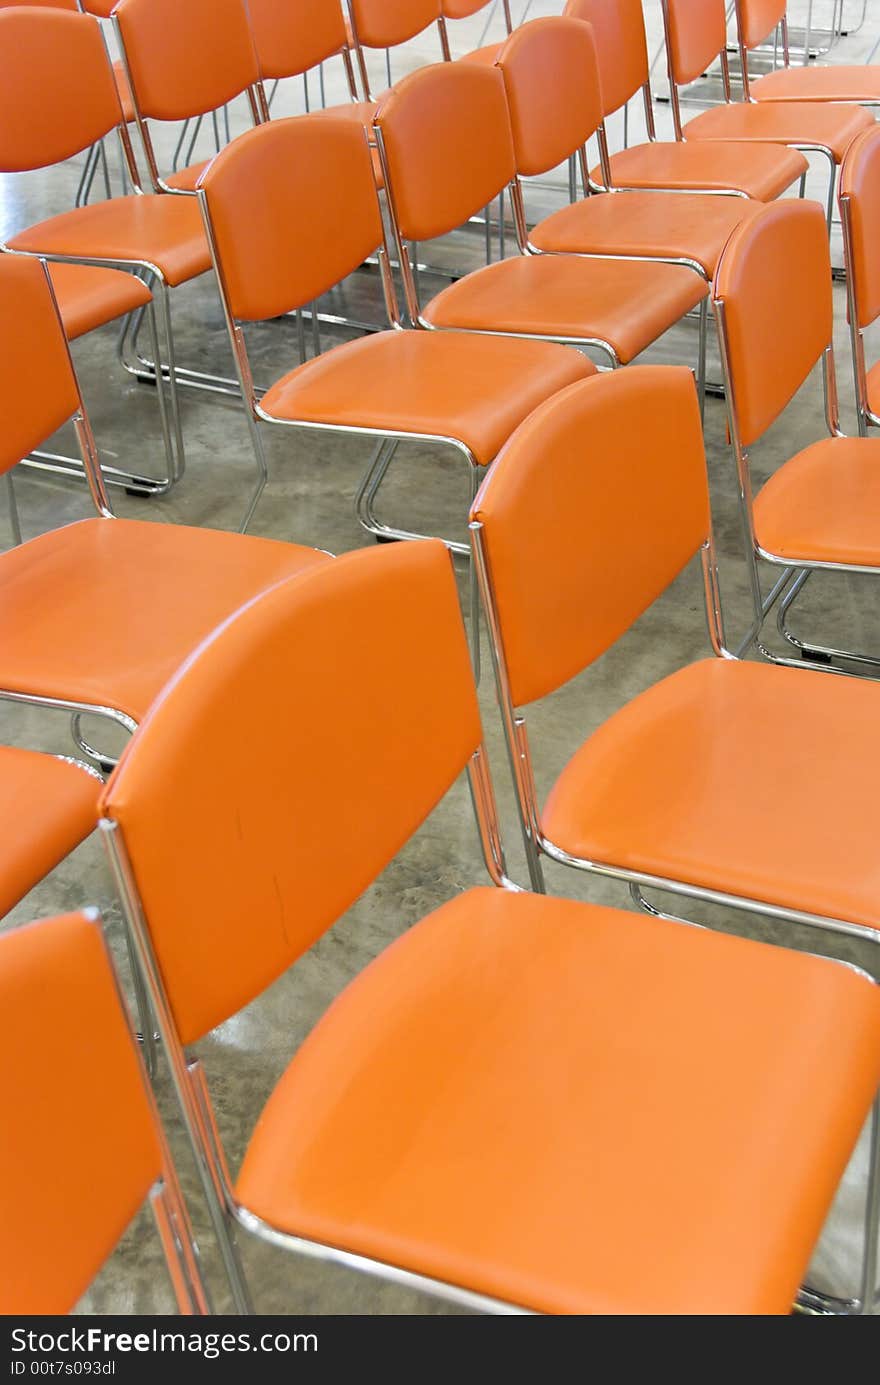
pixel 449 146
pixel 591 509
pixel 621 46
pixel 551 78
pixel 293 210
pixel 774 277
pixel 461 9
pixel 860 183
pixel 79 1151
pixel 756 19
pixel 290 38
pixel 361 683
pixel 38 391
pixel 186 59
pixel 57 91
pixel 386 23
pixel 43 5
pixel 101 8
pixel 696 33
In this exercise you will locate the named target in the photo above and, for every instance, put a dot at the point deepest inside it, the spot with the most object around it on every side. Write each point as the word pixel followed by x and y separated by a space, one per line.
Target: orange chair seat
pixel 124 92
pixel 626 303
pixel 834 127
pixel 485 56
pixel 89 297
pixel 856 82
pixel 47 807
pixel 824 504
pixel 680 225
pixel 164 231
pixel 104 611
pixel 758 171
pixel 704 778
pixel 477 389
pixel 575 1110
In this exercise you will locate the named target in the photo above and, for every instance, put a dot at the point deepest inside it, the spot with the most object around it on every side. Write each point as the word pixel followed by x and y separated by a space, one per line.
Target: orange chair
pixel 437 175
pixel 291 40
pixel 57 98
pixel 552 83
pixel 860 216
pixel 818 511
pixel 103 9
pixel 48 805
pixel 465 391
pixel 696 36
pixel 99 614
pixel 756 19
pixel 389 23
pixel 759 171
pixel 464 9
pixel 471 1116
pixel 83 1145
pixel 158 39
pixel 732 783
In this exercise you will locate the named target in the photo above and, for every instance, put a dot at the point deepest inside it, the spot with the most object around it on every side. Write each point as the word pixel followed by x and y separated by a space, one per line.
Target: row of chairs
pixel 525 1103
pixel 409 1135
pixel 162 242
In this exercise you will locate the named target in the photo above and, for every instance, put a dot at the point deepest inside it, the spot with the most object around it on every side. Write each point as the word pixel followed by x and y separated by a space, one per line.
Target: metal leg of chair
pixel 262 469
pixel 161 293
pixel 88 177
pixel 14 522
pixel 701 356
pixel 474 587
pixel 146 1033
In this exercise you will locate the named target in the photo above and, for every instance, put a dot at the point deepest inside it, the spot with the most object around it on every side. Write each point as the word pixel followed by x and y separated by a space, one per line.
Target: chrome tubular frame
pixel 794 576
pixel 198 1112
pixel 867 417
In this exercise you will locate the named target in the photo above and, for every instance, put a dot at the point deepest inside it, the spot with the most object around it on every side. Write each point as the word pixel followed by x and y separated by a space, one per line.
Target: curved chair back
pixel 387 23
pixel 291 209
pixel 292 38
pixel 447 146
pixel 773 302
pixel 362 685
pixel 860 191
pixel 551 78
pixel 81 1148
pixel 57 91
pixel 621 46
pixel 595 504
pixel 696 32
pixel 756 19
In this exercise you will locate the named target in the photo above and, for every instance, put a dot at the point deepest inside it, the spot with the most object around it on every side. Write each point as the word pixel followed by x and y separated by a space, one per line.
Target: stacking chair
pixel 818 511
pixel 860 216
pixel 756 19
pixel 57 98
pixel 103 9
pixel 551 80
pixel 473 1113
pixel 291 40
pixel 464 391
pixel 48 805
pixel 741 784
pixel 463 9
pixel 159 41
pixel 437 176
pixel 696 36
pixel 759 171
pixel 82 1144
pixel 389 23
pixel 99 614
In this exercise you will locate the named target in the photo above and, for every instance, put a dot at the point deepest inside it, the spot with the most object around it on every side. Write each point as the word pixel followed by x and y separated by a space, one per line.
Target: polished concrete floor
pixel 310 500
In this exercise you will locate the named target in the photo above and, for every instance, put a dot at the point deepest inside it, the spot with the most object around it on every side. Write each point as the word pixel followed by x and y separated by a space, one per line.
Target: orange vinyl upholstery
pixel 478 1105
pixel 822 505
pixel 621 45
pixel 440 174
pixel 246 866
pixel 759 171
pixel 308 162
pixel 387 23
pixel 39 123
pixel 47 807
pixel 550 55
pixel 756 19
pixel 82 1152
pixel 185 60
pixel 37 390
pixel 88 297
pixel 461 9
pixel 836 82
pixel 799 122
pixel 774 279
pixel 291 38
pixel 581 455
pixel 696 34
pixel 860 184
